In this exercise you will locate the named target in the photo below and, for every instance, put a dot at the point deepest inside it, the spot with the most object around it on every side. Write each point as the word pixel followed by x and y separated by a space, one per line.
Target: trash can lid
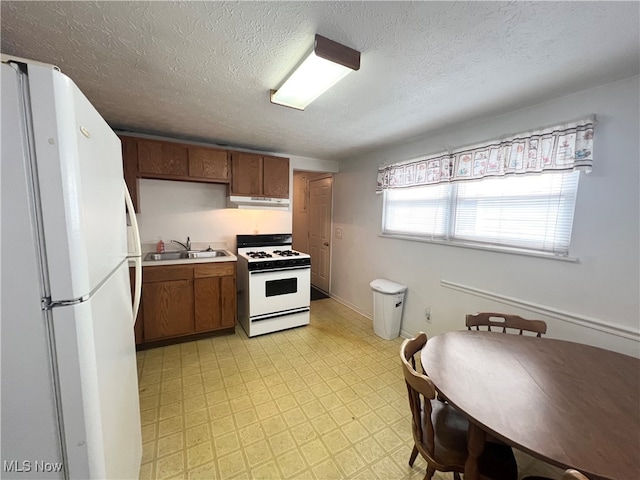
pixel 387 286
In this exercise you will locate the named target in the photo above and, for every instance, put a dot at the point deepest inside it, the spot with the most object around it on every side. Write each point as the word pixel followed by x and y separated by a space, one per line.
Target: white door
pixel 79 162
pixel 320 231
pixel 96 365
pixel 30 428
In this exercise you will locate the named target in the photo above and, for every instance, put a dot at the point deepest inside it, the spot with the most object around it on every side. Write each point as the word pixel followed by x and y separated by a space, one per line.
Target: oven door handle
pixel 284 313
pixel 255 272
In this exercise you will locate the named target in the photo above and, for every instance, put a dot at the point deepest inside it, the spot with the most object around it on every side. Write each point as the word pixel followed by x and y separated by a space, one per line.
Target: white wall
pixel 313 164
pixel 597 297
pixel 175 210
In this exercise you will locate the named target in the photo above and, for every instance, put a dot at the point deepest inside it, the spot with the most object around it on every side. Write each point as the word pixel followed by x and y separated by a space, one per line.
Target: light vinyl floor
pixel 325 401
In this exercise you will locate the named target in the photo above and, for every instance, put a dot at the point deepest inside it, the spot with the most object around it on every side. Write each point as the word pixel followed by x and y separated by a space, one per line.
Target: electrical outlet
pixel 427 315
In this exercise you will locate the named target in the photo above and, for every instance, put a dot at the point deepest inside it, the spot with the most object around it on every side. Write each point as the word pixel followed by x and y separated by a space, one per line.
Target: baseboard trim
pixel 350 305
pixel 577 319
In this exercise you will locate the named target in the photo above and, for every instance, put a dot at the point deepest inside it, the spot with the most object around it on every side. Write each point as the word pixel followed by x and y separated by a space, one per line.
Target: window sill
pixel 490 248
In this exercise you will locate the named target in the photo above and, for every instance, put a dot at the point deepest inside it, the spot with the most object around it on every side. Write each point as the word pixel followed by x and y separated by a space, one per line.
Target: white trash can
pixel 388 298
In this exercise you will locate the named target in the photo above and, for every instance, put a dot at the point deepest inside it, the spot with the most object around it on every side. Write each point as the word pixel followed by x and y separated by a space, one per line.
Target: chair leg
pixel 456 476
pixel 414 455
pixel 430 472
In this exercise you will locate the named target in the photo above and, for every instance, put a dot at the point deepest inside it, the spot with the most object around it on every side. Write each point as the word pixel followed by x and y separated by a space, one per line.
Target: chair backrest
pixel 504 321
pixel 573 475
pixel 421 391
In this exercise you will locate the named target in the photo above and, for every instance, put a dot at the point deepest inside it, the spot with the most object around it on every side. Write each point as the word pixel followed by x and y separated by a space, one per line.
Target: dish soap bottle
pixel 160 246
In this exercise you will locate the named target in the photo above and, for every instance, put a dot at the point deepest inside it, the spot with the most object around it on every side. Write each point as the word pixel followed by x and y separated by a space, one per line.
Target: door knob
pixel 326 244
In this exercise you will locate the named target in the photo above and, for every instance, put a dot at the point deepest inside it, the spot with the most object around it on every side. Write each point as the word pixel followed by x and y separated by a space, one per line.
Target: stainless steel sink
pixel 157 257
pixel 208 254
pixel 166 256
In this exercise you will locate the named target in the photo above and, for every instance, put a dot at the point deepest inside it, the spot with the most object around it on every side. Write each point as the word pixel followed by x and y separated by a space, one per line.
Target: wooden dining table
pixel 568 404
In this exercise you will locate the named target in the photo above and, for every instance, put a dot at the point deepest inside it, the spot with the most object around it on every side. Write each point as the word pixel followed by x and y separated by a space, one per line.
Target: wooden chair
pixel 568 475
pixel 504 321
pixel 440 431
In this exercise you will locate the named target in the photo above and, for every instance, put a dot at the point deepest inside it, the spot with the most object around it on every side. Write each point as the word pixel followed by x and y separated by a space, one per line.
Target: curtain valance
pixel 559 148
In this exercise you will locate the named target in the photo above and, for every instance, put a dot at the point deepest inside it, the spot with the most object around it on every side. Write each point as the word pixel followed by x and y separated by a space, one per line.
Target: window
pixel 511 193
pixel 419 211
pixel 531 212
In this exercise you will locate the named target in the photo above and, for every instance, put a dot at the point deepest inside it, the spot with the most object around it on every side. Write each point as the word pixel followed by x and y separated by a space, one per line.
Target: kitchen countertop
pixel 196 246
pixel 229 257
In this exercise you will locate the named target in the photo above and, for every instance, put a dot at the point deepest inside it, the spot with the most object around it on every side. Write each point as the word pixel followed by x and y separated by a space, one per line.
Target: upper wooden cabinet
pixel 130 167
pixel 276 177
pixel 259 175
pixel 246 174
pixel 249 174
pixel 177 161
pixel 162 158
pixel 209 163
pixel 145 158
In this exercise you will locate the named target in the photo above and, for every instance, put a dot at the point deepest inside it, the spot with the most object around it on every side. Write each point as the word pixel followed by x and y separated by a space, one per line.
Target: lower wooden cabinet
pixel 168 309
pixel 215 293
pixel 183 300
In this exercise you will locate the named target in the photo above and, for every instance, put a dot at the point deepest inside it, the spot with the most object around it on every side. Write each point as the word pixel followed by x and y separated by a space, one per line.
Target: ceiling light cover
pixel 323 67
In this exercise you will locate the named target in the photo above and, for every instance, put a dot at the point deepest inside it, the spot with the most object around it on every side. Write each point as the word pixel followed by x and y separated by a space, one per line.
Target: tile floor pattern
pixel 281 406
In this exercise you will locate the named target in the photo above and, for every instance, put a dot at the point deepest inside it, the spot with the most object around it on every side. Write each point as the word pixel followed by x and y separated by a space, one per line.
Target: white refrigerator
pixel 69 399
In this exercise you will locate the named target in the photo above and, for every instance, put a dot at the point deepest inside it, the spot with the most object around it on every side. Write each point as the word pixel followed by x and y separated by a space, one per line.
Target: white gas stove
pixel 274 284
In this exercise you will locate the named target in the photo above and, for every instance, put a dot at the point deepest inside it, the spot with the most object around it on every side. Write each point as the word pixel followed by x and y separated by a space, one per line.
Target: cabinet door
pixel 228 301
pixel 246 174
pixel 168 308
pixel 215 296
pixel 130 167
pixel 208 163
pixel 162 158
pixel 207 303
pixel 276 177
pixel 167 301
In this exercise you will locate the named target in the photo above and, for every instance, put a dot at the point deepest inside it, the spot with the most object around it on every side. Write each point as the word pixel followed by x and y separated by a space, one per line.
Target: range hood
pixel 237 201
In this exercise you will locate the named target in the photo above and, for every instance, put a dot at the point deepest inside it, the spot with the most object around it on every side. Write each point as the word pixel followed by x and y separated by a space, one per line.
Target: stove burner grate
pixel 286 253
pixel 259 254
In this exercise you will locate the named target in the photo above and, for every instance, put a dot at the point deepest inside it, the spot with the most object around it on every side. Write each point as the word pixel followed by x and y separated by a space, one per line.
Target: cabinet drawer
pixel 165 274
pixel 215 270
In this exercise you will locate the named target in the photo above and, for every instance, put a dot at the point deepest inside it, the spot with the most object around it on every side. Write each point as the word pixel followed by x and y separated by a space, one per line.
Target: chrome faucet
pixel 187 247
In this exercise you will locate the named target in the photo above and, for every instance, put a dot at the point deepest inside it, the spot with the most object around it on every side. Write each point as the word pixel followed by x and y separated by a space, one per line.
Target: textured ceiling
pixel 203 70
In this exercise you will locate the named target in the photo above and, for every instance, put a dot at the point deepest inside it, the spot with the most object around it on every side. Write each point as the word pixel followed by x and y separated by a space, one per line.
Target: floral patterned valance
pixel 560 148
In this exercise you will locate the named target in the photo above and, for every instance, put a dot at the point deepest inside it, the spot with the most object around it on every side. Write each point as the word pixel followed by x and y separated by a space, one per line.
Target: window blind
pixel 420 211
pixel 531 212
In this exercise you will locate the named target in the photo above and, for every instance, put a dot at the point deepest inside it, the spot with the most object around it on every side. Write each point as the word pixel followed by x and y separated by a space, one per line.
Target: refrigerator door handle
pixel 134 221
pixel 138 288
pixel 137 255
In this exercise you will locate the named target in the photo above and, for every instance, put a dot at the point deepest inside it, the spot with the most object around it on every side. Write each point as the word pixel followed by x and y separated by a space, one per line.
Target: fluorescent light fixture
pixel 322 68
